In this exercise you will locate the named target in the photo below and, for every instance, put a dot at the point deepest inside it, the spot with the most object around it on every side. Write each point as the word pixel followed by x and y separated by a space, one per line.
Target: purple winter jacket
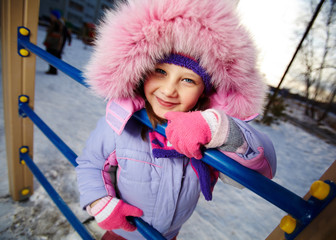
pixel 165 189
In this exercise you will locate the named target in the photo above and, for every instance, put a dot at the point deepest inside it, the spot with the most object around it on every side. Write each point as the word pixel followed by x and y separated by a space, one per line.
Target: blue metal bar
pixel 259 184
pixel 145 229
pixel 279 196
pixel 56 62
pixel 77 225
pixel 267 189
pixel 143 118
pixel 67 152
pixel 262 186
pixel 319 206
pixel 148 231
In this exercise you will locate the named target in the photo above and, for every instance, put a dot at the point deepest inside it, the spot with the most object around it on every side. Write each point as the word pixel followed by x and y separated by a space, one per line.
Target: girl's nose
pixel 169 89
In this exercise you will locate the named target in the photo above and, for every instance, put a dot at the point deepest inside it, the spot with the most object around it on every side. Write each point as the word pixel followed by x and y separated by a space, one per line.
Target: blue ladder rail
pixel 77 225
pixel 24 42
pixel 25 110
pixel 259 184
pixel 144 228
pixel 302 210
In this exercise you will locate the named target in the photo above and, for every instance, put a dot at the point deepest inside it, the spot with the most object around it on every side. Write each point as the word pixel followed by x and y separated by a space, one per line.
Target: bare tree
pixel 327 47
pixel 317 60
pixel 273 97
pixel 306 75
pixel 332 99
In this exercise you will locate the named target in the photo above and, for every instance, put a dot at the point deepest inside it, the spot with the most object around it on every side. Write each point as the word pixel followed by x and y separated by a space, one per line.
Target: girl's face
pixel 172 88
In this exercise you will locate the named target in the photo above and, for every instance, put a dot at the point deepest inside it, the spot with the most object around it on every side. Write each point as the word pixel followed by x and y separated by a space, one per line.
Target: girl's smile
pixel 166 104
pixel 172 88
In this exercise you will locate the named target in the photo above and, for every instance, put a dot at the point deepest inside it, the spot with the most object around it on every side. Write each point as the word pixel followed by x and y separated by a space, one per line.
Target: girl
pixel 190 64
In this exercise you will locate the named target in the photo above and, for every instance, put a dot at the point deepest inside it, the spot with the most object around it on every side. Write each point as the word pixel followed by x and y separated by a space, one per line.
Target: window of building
pixel 76 6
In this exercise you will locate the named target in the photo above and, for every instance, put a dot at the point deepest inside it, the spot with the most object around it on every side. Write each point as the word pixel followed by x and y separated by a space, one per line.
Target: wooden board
pixel 18 77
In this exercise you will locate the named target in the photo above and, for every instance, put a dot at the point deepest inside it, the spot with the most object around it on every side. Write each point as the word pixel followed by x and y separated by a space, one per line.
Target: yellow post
pixel 18 77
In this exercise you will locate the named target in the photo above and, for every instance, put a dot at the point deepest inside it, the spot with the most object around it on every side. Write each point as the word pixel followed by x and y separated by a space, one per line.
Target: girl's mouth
pixel 166 103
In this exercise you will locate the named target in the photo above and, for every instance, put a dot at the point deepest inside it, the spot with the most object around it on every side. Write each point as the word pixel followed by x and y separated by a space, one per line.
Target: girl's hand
pixel 110 213
pixel 188 132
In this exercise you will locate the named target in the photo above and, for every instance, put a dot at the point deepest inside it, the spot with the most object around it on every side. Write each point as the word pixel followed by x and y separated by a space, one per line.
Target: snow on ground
pixel 72 111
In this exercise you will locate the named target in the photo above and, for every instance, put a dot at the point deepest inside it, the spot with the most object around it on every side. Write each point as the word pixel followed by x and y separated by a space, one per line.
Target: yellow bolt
pixel 25 192
pixel 23 99
pixel 288 224
pixel 24 150
pixel 320 190
pixel 24 32
pixel 23 162
pixel 24 52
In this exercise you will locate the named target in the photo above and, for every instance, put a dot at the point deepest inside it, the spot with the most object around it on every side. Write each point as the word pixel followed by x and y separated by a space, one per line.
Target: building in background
pixel 76 13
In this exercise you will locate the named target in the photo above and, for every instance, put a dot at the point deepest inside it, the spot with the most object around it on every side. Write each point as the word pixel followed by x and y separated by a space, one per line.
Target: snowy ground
pixel 71 111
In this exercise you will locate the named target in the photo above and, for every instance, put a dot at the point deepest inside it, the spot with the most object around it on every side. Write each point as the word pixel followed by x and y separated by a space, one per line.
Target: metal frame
pixel 303 211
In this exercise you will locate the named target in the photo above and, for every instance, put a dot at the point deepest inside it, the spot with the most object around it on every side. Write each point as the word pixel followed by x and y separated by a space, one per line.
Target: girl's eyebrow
pixel 193 75
pixel 188 72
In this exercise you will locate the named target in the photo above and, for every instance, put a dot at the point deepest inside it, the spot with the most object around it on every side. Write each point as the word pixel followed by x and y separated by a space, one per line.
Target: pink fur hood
pixel 131 39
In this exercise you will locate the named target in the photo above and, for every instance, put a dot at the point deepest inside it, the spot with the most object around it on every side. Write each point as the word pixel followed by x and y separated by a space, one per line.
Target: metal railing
pixel 302 210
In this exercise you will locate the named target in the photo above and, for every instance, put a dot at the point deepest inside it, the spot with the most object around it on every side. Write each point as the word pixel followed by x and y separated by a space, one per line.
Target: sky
pixel 273 25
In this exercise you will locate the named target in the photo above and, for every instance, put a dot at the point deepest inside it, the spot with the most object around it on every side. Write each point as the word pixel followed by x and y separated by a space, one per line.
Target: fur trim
pixel 133 38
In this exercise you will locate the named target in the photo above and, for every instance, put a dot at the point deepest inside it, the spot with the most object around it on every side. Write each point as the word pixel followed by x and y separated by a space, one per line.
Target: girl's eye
pixel 188 80
pixel 161 71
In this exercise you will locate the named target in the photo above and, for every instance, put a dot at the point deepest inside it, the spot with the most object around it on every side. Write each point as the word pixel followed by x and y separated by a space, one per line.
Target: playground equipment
pixel 301 211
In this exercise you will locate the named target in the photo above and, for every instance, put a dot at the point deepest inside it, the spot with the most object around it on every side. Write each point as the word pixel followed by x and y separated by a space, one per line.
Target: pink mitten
pixel 110 213
pixel 187 132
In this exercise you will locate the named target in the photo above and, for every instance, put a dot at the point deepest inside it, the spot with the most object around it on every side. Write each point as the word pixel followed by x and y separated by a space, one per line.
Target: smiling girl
pixel 190 64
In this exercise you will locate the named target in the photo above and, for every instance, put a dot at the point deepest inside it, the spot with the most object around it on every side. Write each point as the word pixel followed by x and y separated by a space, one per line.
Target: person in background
pixel 54 38
pixel 88 34
pixel 66 36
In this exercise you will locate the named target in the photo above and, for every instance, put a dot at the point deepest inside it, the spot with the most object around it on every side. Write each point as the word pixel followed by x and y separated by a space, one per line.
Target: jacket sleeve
pixel 241 142
pixel 96 164
pixel 259 154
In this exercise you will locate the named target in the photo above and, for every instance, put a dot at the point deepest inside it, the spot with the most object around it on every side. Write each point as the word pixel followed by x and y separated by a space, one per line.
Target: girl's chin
pixel 161 113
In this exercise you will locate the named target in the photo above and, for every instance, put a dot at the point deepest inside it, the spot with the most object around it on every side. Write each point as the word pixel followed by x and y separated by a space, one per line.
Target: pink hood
pixel 132 39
